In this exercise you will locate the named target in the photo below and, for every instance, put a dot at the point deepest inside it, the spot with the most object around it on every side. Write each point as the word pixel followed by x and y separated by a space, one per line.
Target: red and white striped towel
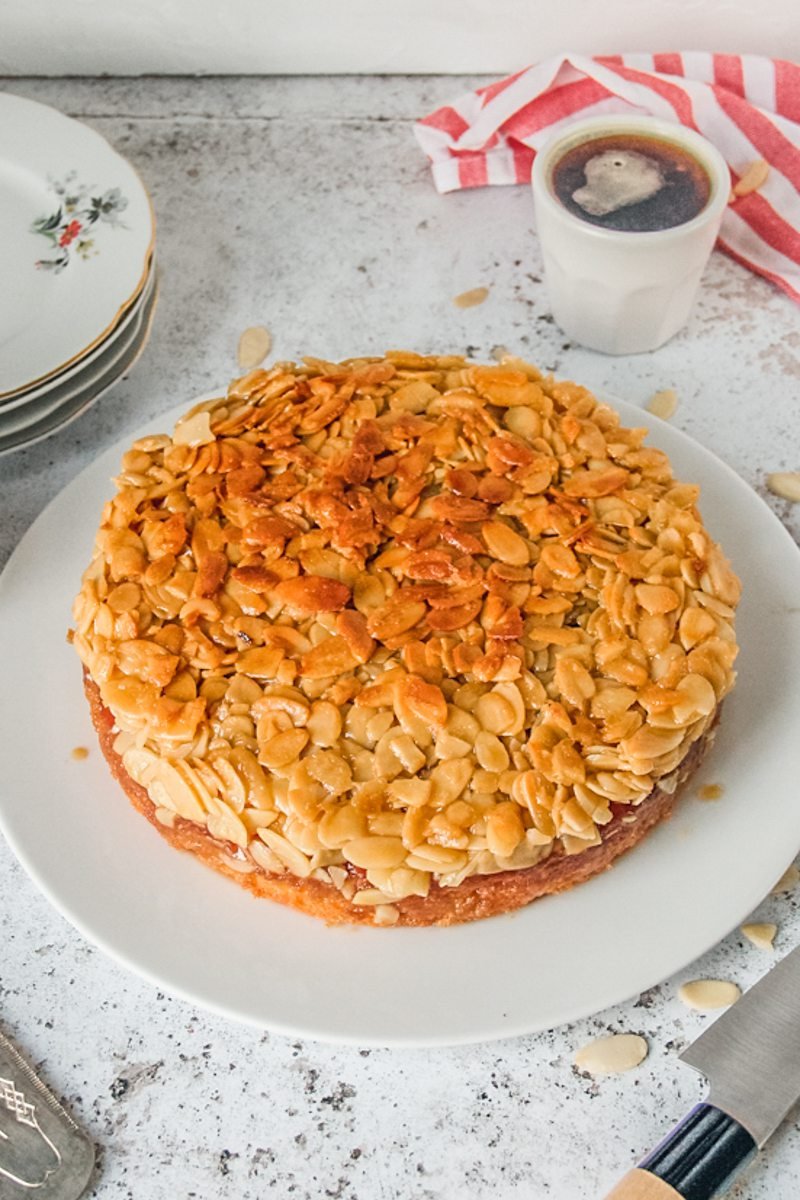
pixel 748 106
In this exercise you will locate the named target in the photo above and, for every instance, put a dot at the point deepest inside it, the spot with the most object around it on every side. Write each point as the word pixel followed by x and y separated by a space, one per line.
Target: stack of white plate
pixel 79 286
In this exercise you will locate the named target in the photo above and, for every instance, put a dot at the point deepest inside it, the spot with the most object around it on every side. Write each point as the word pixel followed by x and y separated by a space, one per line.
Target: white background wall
pixel 130 37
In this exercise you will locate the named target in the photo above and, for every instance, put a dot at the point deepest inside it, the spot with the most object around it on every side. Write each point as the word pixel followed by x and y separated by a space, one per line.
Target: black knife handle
pixel 701 1155
pixel 697 1160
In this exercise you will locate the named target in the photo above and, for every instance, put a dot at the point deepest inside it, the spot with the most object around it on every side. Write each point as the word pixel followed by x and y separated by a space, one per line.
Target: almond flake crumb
pixel 254 346
pixel 194 430
pixel 471 298
pixel 710 791
pixel 706 994
pixel 788 880
pixel 663 404
pixel 761 936
pixel 785 484
pixel 500 352
pixel 386 914
pixel 611 1055
pixel 753 177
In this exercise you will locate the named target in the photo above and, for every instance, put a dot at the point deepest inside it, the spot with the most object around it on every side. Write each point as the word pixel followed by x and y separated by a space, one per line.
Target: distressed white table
pixel 305 205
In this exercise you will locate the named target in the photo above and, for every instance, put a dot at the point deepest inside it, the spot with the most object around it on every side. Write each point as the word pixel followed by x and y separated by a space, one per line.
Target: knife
pixel 751 1058
pixel 42 1151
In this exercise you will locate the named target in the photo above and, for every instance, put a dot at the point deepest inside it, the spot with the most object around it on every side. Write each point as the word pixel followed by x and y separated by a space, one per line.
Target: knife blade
pixel 751 1058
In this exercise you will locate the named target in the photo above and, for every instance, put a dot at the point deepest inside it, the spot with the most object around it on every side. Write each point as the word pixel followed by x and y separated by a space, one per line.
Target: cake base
pixel 477 897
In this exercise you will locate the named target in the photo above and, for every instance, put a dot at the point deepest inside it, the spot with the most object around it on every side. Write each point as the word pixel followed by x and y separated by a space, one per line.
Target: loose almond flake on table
pixel 761 935
pixel 612 1055
pixel 707 994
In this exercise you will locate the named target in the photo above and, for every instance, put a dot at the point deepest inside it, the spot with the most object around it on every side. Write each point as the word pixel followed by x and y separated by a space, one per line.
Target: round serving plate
pixel 76 398
pixel 76 234
pixel 187 929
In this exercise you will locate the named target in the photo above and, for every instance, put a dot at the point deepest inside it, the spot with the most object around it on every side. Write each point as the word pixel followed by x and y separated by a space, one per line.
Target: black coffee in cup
pixel 631 182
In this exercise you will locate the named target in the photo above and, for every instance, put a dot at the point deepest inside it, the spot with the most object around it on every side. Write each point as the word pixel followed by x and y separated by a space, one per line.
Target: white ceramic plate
pixel 203 938
pixel 69 375
pixel 76 232
pixel 54 414
pixel 59 394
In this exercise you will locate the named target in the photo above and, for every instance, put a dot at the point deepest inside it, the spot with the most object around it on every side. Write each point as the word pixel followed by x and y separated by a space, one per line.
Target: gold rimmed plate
pixel 65 402
pixel 73 373
pixel 76 237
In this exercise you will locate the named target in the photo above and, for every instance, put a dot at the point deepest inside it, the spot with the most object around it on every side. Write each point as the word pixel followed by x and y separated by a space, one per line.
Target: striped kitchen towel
pixel 748 106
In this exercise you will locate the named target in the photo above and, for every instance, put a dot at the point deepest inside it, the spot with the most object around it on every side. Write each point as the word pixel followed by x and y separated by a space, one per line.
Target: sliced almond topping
pixel 254 346
pixel 471 298
pixel 707 994
pixel 505 544
pixel 423 700
pixel 656 598
pixel 194 431
pixel 504 829
pixel 331 657
pixel 785 484
pixel 255 578
pixel 372 896
pixel 283 749
pixel 761 935
pixel 436 618
pixel 287 853
pixel 352 626
pixel 375 852
pixel 596 482
pixel 310 594
pixel 612 1055
pixel 394 618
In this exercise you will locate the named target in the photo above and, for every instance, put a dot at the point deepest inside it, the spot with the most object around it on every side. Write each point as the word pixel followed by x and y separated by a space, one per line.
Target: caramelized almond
pixel 332 656
pixel 425 700
pixel 395 617
pixel 457 508
pixel 309 594
pixel 352 626
pixel 504 543
pixel 590 484
pixel 255 579
pixel 450 619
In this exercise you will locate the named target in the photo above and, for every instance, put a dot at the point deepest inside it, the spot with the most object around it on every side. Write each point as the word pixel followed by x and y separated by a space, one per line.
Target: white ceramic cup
pixel 613 290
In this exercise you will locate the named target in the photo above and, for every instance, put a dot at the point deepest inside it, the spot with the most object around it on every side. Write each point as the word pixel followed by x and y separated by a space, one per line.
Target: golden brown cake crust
pixel 476 898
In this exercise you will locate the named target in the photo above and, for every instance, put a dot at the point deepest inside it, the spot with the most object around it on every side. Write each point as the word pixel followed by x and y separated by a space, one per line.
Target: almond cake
pixel 404 640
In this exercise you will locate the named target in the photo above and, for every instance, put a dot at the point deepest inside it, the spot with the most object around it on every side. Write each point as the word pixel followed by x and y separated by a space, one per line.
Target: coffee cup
pixel 627 211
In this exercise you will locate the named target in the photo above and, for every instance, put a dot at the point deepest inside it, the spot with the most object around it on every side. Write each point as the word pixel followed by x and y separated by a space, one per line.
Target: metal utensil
pixel 751 1058
pixel 42 1152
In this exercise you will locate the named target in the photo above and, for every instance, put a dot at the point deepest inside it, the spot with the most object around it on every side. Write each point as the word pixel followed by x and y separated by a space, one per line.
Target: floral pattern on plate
pixel 77 214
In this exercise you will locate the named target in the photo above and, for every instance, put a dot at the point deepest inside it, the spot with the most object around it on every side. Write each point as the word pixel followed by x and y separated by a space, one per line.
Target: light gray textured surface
pixel 306 206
